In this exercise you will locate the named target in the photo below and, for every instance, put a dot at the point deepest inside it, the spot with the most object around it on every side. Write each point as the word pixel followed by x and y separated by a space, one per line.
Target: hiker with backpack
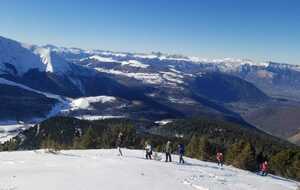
pixel 119 143
pixel 264 168
pixel 181 153
pixel 220 159
pixel 148 149
pixel 168 151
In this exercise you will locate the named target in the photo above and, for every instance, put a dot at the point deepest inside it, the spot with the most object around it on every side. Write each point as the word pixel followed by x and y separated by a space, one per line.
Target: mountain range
pixel 37 82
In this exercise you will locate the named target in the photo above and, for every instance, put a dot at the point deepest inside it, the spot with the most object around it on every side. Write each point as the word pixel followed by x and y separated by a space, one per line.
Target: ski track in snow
pixel 94 169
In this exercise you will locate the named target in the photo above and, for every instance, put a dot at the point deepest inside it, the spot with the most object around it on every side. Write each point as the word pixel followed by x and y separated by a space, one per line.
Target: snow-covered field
pixel 103 169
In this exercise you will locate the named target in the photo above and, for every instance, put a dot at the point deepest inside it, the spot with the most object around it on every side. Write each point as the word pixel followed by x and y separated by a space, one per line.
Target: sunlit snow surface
pixel 99 117
pixel 104 169
pixel 85 102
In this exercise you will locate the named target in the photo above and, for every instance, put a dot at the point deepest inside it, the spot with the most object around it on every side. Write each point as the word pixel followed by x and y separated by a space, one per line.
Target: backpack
pixel 219 156
pixel 181 149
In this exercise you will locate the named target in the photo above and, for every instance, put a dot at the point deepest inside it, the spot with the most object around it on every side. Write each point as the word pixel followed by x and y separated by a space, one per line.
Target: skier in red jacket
pixel 220 159
pixel 264 168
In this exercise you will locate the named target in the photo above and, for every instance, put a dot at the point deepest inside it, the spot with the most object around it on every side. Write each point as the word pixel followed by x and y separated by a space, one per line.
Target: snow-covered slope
pixel 85 102
pixel 53 62
pixel 103 169
pixel 100 58
pixel 17 58
pixel 135 63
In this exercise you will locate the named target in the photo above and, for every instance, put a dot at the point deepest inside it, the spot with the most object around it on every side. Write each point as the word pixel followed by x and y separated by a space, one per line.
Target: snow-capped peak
pixel 17 58
pixel 53 62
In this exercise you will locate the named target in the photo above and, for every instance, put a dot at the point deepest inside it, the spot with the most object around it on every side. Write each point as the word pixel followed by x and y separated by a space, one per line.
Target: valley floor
pixel 104 169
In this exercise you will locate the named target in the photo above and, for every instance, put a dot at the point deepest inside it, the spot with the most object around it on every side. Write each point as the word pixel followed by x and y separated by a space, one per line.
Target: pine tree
pixel 205 149
pixel 76 143
pixel 12 145
pixel 200 148
pixel 296 168
pixel 234 151
pixel 281 161
pixel 246 159
pixel 51 145
pixel 88 139
pixel 192 150
pixel 287 163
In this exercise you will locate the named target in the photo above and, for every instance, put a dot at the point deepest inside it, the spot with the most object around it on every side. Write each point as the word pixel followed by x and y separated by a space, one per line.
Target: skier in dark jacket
pixel 148 149
pixel 168 152
pixel 181 153
pixel 119 143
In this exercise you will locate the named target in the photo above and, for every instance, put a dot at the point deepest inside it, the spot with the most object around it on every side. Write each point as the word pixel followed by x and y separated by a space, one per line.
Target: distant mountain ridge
pixel 151 86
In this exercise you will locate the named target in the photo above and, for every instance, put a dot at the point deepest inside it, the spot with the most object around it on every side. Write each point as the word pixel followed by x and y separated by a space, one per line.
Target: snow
pixel 99 117
pixel 53 62
pixel 149 78
pixel 61 50
pixel 24 57
pixel 131 63
pixel 164 121
pixel 18 55
pixel 186 101
pixel 172 77
pixel 173 58
pixel 145 56
pixel 104 169
pixel 85 102
pixel 135 63
pixel 108 53
pixel 10 129
pixel 284 66
pixel 169 79
pixel 175 71
pixel 102 59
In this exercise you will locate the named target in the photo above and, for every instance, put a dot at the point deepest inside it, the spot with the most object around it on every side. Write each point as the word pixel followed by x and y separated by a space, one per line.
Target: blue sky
pixel 256 29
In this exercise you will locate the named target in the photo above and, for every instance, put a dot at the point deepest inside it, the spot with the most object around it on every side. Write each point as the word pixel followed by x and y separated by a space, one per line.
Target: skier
pixel 264 168
pixel 220 159
pixel 148 149
pixel 181 153
pixel 168 152
pixel 119 143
